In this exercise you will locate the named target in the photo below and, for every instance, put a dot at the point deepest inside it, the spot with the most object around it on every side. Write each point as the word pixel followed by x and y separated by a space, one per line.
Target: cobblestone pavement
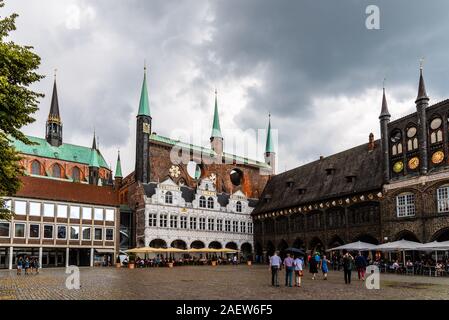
pixel 205 282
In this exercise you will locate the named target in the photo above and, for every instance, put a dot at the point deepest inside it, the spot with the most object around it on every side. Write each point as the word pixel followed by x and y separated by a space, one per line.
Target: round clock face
pixel 398 167
pixel 413 163
pixel 438 157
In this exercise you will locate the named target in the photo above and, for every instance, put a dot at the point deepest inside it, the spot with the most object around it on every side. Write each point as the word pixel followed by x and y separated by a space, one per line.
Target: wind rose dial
pixel 398 167
pixel 174 171
pixel 413 163
pixel 438 157
pixel 213 177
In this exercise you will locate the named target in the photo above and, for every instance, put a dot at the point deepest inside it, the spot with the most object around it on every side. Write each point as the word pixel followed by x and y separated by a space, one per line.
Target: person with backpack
pixel 360 264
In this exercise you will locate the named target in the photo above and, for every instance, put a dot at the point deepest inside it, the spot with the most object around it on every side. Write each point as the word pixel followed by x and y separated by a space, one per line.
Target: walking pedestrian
pixel 275 266
pixel 299 264
pixel 360 264
pixel 36 265
pixel 313 267
pixel 289 266
pixel 27 265
pixel 325 266
pixel 19 266
pixel 348 262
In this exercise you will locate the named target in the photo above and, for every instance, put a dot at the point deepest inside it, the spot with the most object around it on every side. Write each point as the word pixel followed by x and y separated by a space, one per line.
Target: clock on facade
pixel 174 172
pixel 438 157
pixel 398 167
pixel 413 163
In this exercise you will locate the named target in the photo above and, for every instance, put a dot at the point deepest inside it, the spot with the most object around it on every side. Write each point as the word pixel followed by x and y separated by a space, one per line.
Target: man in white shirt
pixel 298 263
pixel 275 266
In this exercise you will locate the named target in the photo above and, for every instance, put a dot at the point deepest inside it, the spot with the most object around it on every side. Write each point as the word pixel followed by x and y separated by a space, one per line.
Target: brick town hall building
pixel 390 189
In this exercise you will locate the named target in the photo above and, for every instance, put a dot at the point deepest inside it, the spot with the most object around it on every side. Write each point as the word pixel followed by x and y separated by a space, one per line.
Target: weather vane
pixel 383 83
pixel 55 71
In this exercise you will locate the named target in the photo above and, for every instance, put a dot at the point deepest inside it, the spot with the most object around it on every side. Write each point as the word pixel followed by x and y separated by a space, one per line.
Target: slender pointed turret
pixel 143 132
pixel 94 166
pixel 270 154
pixel 118 167
pixel 384 112
pixel 384 121
pixel 216 138
pixel 54 124
pixel 422 101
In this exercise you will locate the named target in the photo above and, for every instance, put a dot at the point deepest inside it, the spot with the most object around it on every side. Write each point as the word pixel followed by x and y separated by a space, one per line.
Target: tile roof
pixel 48 189
pixel 65 152
pixel 325 179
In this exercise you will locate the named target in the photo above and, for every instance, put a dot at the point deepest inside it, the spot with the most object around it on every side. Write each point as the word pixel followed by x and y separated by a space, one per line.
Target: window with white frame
pixel 48 231
pixel 62 232
pixel 49 210
pixel 443 199
pixel 19 230
pixel 163 221
pixel 4 229
pixel 35 209
pixel 250 227
pixel 34 231
pixel 202 202
pixel 238 207
pixel 61 211
pixel 98 214
pixel 98 234
pixel 86 231
pixel 87 213
pixel 152 220
pixel 7 204
pixel 109 215
pixel 405 205
pixel 193 223
pixel 228 226
pixel 183 222
pixel 202 223
pixel 74 233
pixel 242 226
pixel 20 207
pixel 219 224
pixel 211 224
pixel 173 221
pixel 109 234
pixel 168 197
pixel 235 226
pixel 74 212
pixel 210 203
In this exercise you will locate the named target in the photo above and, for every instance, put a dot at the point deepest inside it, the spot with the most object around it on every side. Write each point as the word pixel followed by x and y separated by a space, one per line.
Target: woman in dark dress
pixel 313 267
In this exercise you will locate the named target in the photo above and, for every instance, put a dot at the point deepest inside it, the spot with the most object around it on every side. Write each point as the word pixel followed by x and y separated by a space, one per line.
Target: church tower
pixel 384 121
pixel 216 138
pixel 143 132
pixel 270 155
pixel 94 166
pixel 53 132
pixel 422 102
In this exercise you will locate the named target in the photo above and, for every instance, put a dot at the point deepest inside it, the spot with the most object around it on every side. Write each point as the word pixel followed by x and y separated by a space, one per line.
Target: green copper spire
pixel 269 146
pixel 144 106
pixel 216 130
pixel 93 162
pixel 118 167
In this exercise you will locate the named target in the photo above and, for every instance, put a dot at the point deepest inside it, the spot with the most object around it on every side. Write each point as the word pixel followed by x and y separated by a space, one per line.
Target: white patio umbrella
pixel 359 245
pixel 435 245
pixel 402 245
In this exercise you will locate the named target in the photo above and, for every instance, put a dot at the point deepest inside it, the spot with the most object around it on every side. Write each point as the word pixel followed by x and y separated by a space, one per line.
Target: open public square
pixel 210 283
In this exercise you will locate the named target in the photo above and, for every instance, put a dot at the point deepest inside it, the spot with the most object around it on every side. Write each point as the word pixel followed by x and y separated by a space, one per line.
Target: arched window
pixel 238 206
pixel 202 202
pixel 56 171
pixel 405 205
pixel 210 203
pixel 169 197
pixel 443 199
pixel 76 174
pixel 412 140
pixel 396 144
pixel 436 132
pixel 35 168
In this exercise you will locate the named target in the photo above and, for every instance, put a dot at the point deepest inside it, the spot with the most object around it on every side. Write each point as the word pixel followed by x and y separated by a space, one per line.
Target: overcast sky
pixel 313 64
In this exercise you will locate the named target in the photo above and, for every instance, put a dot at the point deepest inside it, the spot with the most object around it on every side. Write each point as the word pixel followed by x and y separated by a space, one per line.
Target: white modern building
pixel 182 217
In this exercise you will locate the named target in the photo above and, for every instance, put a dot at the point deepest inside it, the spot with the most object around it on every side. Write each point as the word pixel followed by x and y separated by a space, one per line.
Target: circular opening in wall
pixel 236 176
pixel 194 170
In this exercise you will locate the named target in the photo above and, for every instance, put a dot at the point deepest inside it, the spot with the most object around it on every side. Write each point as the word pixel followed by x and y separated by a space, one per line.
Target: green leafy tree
pixel 18 66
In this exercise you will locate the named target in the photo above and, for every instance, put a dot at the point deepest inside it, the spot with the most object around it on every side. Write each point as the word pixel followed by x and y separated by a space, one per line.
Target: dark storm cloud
pixel 299 51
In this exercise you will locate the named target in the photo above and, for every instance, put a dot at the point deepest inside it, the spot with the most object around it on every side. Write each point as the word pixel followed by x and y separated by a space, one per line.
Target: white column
pixel 92 252
pixel 11 251
pixel 67 250
pixel 40 257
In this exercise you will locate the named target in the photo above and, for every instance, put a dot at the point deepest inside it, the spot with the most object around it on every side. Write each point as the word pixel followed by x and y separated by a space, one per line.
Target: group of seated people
pixel 419 267
pixel 161 261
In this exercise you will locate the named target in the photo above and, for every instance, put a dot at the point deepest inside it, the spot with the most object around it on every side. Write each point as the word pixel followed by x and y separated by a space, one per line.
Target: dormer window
pixel 267 198
pixel 238 207
pixel 301 191
pixel 330 171
pixel 290 183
